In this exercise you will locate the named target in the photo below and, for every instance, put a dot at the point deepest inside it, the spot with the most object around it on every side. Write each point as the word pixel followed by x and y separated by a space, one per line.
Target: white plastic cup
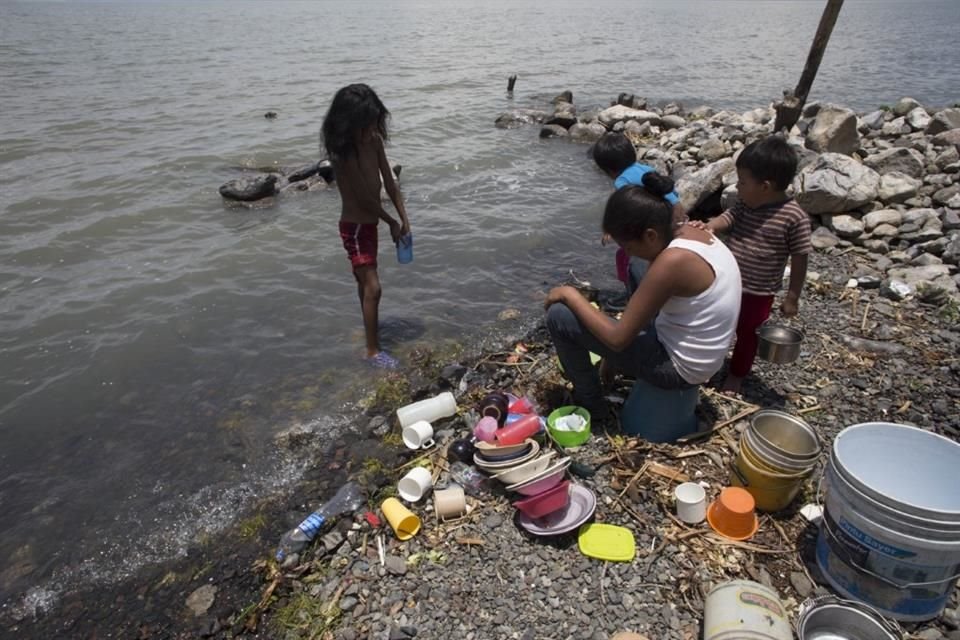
pixel 430 410
pixel 415 484
pixel 418 435
pixel 691 502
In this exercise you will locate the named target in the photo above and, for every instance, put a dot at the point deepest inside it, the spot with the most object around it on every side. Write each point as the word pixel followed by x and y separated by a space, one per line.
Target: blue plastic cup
pixel 405 249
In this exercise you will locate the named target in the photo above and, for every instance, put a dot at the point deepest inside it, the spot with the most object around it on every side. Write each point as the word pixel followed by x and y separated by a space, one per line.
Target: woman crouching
pixel 678 324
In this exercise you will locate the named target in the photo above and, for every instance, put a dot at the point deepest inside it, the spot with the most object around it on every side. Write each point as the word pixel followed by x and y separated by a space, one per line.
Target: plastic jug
pixel 405 249
pixel 519 430
pixel 431 409
pixel 495 406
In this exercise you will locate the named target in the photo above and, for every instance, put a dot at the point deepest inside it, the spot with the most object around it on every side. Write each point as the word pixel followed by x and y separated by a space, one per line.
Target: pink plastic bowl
pixel 553 499
pixel 546 482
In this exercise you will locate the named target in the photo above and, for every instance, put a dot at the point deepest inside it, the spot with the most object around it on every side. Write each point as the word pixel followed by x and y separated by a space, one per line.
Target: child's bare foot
pixel 731 385
pixel 383 360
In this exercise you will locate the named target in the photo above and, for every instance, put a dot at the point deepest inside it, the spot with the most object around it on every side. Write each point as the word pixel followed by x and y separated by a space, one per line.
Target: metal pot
pixel 831 617
pixel 779 344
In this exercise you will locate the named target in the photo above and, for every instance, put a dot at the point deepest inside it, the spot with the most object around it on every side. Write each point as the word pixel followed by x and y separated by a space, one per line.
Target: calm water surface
pixel 154 341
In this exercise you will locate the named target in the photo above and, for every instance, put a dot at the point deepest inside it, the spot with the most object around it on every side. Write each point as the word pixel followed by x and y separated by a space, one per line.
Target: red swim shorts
pixel 360 241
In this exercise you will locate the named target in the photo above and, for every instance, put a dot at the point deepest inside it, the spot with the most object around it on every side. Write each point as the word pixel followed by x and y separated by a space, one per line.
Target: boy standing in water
pixel 354 131
pixel 766 227
pixel 616 157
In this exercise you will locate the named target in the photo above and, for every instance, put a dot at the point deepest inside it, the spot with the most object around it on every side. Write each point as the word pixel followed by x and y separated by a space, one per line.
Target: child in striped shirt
pixel 765 228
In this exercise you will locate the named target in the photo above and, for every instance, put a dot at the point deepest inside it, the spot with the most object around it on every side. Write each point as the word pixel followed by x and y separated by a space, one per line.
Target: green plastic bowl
pixel 569 438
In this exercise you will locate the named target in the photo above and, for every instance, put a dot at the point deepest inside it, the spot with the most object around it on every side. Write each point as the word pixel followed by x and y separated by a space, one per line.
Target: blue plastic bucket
pixel 890 534
pixel 660 415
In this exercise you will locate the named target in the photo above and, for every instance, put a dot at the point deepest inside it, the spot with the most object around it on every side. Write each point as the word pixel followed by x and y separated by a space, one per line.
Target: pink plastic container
pixel 517 432
pixel 542 504
pixel 521 405
pixel 486 429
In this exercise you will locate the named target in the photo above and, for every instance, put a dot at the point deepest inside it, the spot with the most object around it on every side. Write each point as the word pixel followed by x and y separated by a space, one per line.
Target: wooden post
pixel 512 80
pixel 789 110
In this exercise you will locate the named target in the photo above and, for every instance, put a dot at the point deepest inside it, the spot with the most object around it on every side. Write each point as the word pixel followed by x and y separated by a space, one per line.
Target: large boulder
pixel 904 106
pixel 918 119
pixel 672 121
pixel 895 127
pixel 823 238
pixel 944 121
pixel 590 132
pixel 834 130
pixel 835 183
pixel 553 131
pixel 696 187
pixel 251 188
pixel 872 120
pixel 948 138
pixel 884 216
pixel 900 159
pixel 620 113
pixel 843 225
pixel 896 187
pixel 714 149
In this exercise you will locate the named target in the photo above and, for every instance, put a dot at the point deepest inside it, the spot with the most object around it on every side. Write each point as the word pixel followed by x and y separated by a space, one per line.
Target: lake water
pixel 154 341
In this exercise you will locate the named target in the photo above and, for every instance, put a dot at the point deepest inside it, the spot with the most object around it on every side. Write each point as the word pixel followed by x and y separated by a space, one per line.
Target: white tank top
pixel 697 330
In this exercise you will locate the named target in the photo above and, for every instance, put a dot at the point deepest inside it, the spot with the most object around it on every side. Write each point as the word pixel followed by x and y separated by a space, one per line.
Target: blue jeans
pixel 644 358
pixel 638 269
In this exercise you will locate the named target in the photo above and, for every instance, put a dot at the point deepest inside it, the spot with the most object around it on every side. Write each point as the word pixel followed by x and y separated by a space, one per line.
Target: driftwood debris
pixel 789 110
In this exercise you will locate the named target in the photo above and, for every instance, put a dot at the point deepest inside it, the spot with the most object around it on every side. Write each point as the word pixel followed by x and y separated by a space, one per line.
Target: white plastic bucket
pixel 890 534
pixel 744 610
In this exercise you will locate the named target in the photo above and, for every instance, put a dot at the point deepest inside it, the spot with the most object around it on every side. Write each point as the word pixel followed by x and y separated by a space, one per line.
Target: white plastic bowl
pixel 525 470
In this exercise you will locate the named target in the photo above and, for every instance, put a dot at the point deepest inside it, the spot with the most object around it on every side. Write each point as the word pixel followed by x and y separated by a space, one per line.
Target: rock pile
pixel 884 184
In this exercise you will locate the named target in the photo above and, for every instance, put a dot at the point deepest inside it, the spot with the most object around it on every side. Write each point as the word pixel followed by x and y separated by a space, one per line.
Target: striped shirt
pixel 763 238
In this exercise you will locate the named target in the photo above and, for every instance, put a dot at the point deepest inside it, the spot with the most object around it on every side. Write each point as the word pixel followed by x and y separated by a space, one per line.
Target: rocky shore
pixel 884 184
pixel 882 320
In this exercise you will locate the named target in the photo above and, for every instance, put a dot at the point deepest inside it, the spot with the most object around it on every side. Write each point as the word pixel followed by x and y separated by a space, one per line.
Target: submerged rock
pixel 249 189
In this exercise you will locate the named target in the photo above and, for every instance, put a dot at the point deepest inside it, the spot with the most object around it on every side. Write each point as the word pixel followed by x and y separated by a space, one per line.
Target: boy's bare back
pixel 358 179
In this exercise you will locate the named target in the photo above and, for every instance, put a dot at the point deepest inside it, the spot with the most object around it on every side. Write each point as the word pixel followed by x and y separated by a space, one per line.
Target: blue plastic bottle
pixel 405 249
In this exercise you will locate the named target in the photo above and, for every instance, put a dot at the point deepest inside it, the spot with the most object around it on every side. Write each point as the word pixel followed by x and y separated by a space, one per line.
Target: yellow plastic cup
pixel 405 523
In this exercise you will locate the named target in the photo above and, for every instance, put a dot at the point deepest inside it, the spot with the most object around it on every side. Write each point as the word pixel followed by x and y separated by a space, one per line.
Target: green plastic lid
pixel 607 542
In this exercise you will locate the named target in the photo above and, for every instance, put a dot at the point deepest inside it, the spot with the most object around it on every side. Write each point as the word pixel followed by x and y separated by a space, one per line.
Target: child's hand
pixel 404 228
pixel 605 239
pixel 789 307
pixel 698 224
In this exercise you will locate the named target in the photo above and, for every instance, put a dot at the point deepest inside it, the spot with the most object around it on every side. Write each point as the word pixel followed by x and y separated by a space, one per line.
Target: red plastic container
pixel 553 499
pixel 518 431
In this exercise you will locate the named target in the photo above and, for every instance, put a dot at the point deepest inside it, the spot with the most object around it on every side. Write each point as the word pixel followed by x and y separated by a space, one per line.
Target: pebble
pixel 801 583
pixel 396 565
pixel 200 601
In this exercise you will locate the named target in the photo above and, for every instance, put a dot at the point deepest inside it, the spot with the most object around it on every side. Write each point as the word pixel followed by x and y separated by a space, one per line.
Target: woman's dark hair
pixel 354 108
pixel 633 209
pixel 613 153
pixel 771 159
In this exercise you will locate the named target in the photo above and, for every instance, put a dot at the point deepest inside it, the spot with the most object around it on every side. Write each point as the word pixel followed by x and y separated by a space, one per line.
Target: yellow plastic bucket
pixel 772 489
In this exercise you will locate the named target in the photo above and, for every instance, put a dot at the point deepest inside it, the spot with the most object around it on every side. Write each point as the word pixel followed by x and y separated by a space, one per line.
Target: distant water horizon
pixel 155 340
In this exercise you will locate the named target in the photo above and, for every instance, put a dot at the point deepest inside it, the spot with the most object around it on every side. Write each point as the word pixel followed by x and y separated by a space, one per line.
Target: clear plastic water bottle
pixel 473 482
pixel 347 500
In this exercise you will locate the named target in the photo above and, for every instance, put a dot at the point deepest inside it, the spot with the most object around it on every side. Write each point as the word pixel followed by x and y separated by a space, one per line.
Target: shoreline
pixel 340 590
